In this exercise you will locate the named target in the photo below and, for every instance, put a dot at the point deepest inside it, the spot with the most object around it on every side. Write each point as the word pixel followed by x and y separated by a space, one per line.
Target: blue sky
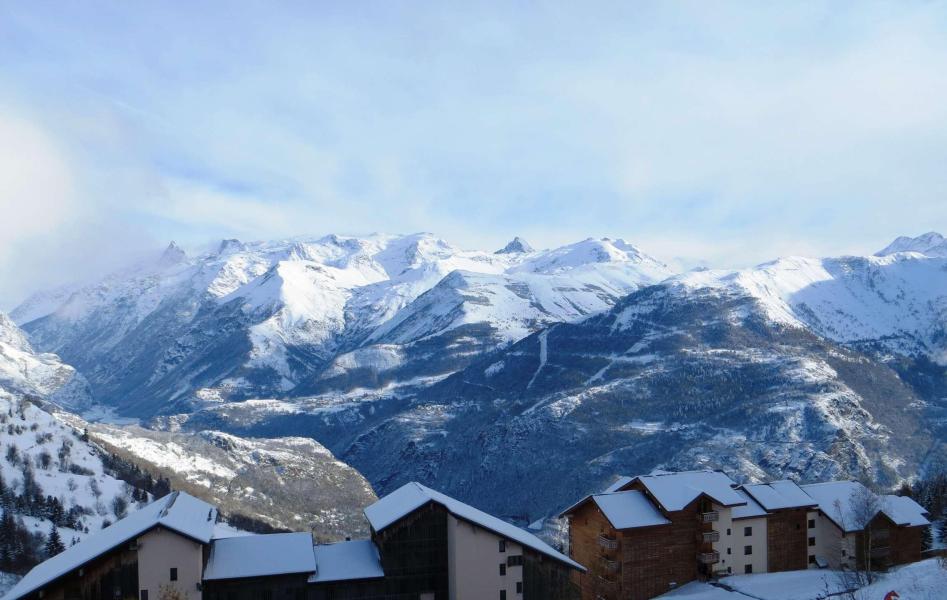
pixel 705 132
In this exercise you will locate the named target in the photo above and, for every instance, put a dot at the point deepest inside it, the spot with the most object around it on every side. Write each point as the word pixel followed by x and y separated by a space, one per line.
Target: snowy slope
pixel 263 318
pixel 288 482
pixel 43 375
pixel 74 474
pixel 931 244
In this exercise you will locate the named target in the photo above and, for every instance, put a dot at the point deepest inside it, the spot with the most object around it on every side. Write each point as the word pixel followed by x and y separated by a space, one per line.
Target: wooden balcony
pixel 610 566
pixel 710 536
pixel 708 558
pixel 607 542
pixel 880 551
pixel 711 516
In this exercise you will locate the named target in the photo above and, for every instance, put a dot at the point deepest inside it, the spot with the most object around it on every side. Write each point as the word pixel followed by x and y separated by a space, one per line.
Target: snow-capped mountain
pixel 807 368
pixel 284 318
pixel 24 372
pixel 931 244
pixel 287 482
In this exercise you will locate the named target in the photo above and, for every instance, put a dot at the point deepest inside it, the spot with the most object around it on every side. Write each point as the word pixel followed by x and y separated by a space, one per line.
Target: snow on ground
pixel 925 580
pixel 7 581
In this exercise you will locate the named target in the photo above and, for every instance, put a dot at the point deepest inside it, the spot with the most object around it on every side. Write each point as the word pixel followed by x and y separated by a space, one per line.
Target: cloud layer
pixel 725 133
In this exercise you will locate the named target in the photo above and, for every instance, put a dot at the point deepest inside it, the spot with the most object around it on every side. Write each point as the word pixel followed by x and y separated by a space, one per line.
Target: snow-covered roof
pixel 618 484
pixel 260 556
pixel 905 511
pixel 178 512
pixel 632 508
pixel 778 495
pixel 412 496
pixel 343 561
pixel 676 490
pixel 750 510
pixel 835 500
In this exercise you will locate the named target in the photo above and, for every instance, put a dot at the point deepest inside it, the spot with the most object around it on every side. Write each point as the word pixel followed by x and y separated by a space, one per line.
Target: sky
pixel 707 133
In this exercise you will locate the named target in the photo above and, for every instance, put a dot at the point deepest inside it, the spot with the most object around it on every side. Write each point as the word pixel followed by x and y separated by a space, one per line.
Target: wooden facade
pixel 112 576
pixel 639 563
pixel 888 544
pixel 787 540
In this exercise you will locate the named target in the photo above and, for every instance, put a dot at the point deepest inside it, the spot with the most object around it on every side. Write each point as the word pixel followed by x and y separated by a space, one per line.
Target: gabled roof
pixel 905 511
pixel 751 510
pixel 629 509
pixel 260 556
pixel 674 491
pixel 618 484
pixel 344 561
pixel 778 495
pixel 178 512
pixel 835 502
pixel 412 496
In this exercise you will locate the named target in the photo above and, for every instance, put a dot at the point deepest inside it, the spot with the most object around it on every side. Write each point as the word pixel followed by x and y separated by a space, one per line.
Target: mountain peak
pixel 930 243
pixel 172 255
pixel 517 245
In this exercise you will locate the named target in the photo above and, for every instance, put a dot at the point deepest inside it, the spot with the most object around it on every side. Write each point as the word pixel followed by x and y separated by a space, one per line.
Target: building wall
pixel 414 555
pixel 787 546
pixel 585 526
pixel 474 560
pixel 159 551
pixel 758 540
pixel 112 575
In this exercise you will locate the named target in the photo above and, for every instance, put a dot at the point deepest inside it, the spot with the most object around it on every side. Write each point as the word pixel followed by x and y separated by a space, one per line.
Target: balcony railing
pixel 710 536
pixel 611 566
pixel 711 516
pixel 880 551
pixel 607 542
pixel 708 558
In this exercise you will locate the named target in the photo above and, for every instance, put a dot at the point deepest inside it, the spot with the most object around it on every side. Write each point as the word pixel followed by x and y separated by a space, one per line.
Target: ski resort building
pixel 424 546
pixel 646 535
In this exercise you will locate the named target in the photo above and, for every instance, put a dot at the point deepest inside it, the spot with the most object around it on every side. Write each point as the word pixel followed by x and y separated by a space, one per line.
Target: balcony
pixel 610 566
pixel 710 536
pixel 607 542
pixel 710 517
pixel 880 552
pixel 708 558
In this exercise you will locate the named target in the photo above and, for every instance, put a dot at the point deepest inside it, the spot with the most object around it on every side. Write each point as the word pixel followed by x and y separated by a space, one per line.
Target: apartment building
pixel 424 546
pixel 646 535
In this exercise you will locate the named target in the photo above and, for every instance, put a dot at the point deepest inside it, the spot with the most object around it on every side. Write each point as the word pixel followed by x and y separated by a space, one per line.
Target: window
pixel 748 569
pixel 747 531
pixel 519 587
pixel 174 573
pixel 515 561
pixel 812 541
pixel 502 569
pixel 811 523
pixel 143 595
pixel 502 545
pixel 812 559
pixel 728 550
pixel 747 550
pixel 728 532
pixel 502 594
pixel 843 552
pixel 729 569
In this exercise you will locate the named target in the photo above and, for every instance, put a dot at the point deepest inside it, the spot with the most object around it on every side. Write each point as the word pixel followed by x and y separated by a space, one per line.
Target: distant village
pixel 640 538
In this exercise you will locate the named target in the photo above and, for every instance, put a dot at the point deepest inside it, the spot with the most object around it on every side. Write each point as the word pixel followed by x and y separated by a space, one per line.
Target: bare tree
pixel 857 514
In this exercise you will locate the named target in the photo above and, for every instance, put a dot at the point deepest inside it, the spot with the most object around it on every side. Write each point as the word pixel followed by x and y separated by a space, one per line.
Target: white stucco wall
pixel 158 551
pixel 837 548
pixel 474 560
pixel 759 559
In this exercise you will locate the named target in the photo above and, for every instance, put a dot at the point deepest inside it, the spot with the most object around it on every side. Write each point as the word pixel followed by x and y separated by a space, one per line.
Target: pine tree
pixel 54 543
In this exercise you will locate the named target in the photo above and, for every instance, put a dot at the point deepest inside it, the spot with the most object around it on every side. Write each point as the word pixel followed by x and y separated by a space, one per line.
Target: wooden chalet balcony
pixel 607 542
pixel 710 536
pixel 708 558
pixel 880 551
pixel 611 566
pixel 710 516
